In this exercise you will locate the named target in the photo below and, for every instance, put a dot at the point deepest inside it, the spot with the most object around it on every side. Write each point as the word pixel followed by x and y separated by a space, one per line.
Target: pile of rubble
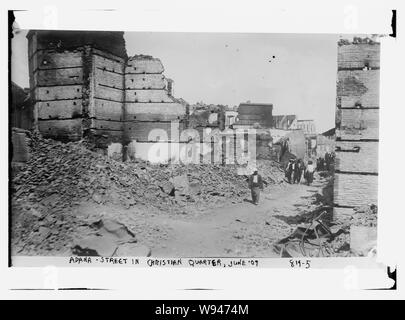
pixel 58 177
pixel 365 216
pixel 64 174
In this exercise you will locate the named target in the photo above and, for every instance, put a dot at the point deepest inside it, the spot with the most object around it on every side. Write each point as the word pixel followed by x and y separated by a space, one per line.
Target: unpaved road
pixel 240 229
pixel 236 230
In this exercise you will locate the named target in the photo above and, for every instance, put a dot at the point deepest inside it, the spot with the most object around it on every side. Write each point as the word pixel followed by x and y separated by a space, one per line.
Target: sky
pixel 294 72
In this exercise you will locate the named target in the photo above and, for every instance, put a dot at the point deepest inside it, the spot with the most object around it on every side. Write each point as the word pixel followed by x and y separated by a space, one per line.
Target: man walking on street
pixel 289 170
pixel 255 185
pixel 309 172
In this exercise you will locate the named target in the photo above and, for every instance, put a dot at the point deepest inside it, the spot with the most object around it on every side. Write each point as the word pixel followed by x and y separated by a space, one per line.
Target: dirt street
pixel 66 194
pixel 241 229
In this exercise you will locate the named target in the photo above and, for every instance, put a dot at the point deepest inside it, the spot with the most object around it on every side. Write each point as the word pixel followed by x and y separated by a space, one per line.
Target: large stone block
pixel 144 65
pixel 151 95
pixel 145 81
pixel 59 93
pixel 58 77
pixel 356 156
pixel 108 78
pixel 358 88
pixel 107 64
pixel 61 129
pixel 49 59
pixel 154 131
pixel 356 124
pixel 63 109
pixel 355 190
pixel 107 110
pixel 358 56
pixel 108 93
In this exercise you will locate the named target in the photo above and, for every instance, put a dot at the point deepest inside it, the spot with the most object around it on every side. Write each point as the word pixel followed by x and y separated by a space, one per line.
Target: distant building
pixel 326 142
pixel 21 108
pixel 285 122
pixel 170 85
pixel 308 126
pixel 254 115
pixel 230 117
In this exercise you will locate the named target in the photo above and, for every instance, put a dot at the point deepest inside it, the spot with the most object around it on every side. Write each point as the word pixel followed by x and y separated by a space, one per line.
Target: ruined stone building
pixel 254 115
pixel 285 122
pixel 21 108
pixel 230 117
pixel 325 142
pixel 21 120
pixel 85 85
pixel 356 176
pixel 308 126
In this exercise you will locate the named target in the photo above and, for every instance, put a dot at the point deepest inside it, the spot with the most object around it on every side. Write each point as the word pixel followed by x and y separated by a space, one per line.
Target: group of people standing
pixel 296 170
pixel 326 162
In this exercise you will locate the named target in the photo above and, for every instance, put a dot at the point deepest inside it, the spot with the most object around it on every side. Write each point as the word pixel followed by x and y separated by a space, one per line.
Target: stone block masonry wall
pixel 107 93
pixel 84 85
pixel 148 103
pixel 61 67
pixel 356 127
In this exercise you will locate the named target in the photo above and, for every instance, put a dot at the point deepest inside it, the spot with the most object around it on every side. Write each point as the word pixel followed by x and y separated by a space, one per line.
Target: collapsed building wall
pixel 62 67
pixel 356 127
pixel 84 85
pixel 21 108
pixel 152 114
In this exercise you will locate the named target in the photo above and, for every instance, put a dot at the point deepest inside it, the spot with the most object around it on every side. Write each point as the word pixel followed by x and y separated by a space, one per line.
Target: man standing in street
pixel 289 170
pixel 309 172
pixel 255 185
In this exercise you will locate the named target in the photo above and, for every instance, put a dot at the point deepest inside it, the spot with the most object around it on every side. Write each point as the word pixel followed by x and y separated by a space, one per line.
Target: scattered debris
pixel 60 177
pixel 365 216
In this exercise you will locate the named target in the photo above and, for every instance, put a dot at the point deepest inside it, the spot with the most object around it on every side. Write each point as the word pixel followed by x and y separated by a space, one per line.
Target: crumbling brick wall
pixel 84 85
pixel 62 66
pixel 356 175
pixel 148 103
